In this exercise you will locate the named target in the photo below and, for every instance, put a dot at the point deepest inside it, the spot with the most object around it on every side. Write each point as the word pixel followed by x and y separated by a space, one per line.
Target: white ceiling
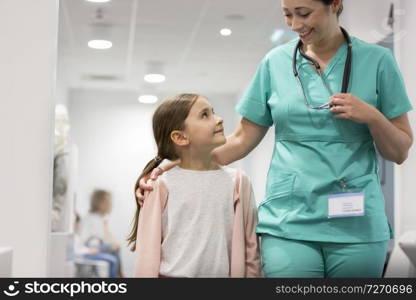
pixel 183 34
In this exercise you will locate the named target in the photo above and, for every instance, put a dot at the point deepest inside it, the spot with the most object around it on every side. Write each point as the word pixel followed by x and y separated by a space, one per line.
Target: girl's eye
pixel 304 15
pixel 205 114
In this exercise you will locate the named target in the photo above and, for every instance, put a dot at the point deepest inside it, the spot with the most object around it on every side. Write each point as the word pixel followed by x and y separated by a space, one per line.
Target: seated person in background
pixel 84 252
pixel 79 248
pixel 95 232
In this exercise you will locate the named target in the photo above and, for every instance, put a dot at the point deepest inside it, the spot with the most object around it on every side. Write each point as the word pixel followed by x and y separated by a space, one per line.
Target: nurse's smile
pixel 306 35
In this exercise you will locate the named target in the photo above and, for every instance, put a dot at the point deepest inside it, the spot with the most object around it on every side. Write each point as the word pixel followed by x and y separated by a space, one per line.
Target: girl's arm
pixel 149 232
pixel 244 139
pixel 253 268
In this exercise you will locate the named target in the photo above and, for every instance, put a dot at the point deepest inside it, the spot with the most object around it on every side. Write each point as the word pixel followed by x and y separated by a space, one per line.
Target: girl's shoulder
pixel 159 185
pixel 230 171
pixel 177 175
pixel 159 191
pixel 237 174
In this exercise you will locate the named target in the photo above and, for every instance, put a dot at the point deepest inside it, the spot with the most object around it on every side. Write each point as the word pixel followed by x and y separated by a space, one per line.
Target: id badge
pixel 345 205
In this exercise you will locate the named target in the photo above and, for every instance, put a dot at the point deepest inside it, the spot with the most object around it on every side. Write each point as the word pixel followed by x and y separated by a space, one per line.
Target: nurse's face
pixel 311 19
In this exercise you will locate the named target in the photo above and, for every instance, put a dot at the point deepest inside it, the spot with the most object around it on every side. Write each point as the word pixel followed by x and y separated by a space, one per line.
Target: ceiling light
pixel 148 99
pixel 100 44
pixel 154 78
pixel 99 1
pixel 225 32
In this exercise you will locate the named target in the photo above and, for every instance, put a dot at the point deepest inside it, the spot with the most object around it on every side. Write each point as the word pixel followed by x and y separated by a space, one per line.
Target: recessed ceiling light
pixel 225 32
pixel 99 1
pixel 154 78
pixel 148 99
pixel 100 44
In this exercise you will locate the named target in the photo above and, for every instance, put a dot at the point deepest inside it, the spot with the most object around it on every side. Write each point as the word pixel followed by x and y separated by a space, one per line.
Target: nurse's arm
pixel 393 137
pixel 240 143
pixel 244 139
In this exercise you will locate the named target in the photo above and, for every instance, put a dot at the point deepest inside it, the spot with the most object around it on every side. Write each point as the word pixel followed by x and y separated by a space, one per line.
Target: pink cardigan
pixel 245 258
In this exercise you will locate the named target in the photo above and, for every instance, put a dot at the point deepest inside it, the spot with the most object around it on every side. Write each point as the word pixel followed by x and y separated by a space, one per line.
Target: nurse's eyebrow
pixel 297 8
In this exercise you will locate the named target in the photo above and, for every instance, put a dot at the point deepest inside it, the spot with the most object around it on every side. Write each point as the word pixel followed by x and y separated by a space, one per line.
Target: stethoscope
pixel 346 77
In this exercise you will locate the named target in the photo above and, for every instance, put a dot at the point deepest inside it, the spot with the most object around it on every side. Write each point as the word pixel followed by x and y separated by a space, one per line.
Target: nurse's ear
pixel 179 138
pixel 337 7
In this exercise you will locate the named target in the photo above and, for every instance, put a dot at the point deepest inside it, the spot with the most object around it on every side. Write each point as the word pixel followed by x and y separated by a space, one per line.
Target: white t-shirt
pixel 93 230
pixel 197 223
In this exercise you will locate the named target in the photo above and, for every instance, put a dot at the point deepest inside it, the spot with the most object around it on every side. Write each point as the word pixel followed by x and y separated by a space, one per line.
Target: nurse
pixel 323 213
pixel 332 99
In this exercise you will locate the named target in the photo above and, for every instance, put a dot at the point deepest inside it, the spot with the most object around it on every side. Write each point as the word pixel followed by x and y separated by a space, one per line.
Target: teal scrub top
pixel 316 155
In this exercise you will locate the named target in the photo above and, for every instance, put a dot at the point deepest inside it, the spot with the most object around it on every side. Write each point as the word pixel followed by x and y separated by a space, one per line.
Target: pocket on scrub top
pixel 361 182
pixel 281 187
pixel 369 185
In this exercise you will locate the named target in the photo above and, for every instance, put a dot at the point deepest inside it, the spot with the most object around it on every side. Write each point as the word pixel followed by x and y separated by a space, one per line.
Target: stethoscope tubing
pixel 346 75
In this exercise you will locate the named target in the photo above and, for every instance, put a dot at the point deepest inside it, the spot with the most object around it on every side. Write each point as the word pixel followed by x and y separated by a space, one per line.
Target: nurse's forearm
pixel 229 152
pixel 393 138
pixel 244 139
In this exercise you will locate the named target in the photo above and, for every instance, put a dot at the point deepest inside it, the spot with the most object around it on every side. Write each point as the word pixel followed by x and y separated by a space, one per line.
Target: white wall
pixel 407 61
pixel 367 19
pixel 257 163
pixel 28 61
pixel 113 133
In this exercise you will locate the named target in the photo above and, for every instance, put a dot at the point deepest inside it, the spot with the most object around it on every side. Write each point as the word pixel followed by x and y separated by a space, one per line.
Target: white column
pixel 407 61
pixel 28 54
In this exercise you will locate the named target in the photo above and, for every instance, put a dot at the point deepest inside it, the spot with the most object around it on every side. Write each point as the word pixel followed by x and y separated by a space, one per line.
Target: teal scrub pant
pixel 295 259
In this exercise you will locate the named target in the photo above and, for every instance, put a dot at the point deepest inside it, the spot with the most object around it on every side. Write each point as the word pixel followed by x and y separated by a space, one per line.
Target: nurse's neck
pixel 326 47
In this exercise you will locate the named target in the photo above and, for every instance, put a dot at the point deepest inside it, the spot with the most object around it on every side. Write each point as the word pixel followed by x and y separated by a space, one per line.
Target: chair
pixel 88 268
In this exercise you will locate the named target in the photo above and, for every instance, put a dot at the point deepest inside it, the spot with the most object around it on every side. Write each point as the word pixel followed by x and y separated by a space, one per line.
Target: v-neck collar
pixel 340 53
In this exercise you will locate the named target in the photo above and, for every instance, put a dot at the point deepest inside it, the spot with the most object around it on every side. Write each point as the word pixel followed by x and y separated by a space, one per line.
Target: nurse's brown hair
pixel 329 2
pixel 168 117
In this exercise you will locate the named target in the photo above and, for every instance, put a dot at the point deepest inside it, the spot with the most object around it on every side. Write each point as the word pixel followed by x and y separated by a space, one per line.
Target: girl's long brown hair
pixel 169 116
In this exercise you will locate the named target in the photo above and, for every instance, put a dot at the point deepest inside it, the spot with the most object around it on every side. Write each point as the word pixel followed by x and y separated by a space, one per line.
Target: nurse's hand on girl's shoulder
pixel 348 106
pixel 145 185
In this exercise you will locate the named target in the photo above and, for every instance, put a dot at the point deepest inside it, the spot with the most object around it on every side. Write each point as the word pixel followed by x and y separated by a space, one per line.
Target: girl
pixel 199 220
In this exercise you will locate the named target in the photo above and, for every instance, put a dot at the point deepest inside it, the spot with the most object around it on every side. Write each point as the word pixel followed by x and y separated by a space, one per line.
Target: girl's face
pixel 203 128
pixel 311 19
